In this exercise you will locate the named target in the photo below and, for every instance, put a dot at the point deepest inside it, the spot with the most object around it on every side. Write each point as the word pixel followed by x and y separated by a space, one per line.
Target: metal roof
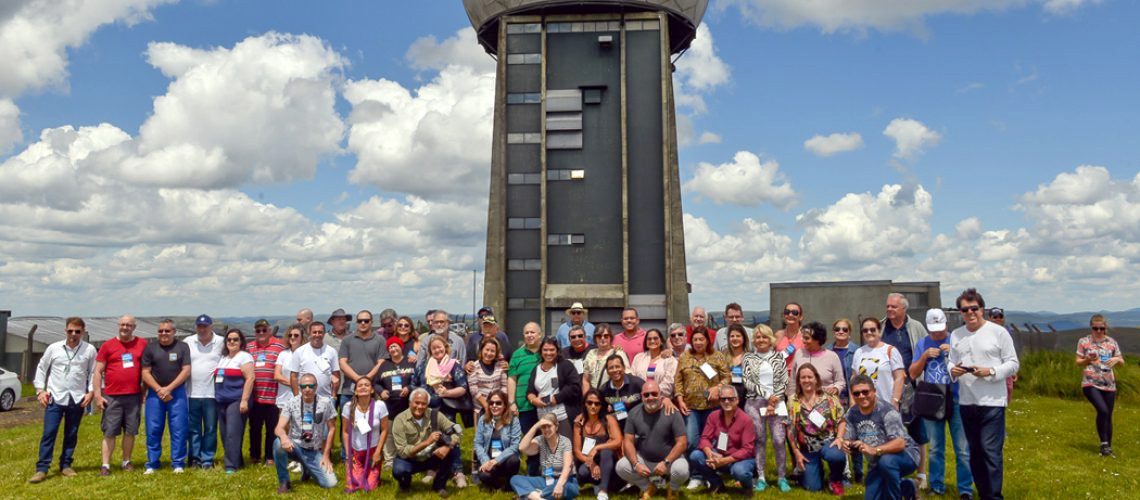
pixel 685 15
pixel 51 329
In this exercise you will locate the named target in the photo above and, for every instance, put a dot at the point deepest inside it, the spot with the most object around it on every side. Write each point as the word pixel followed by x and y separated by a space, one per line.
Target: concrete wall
pixel 827 302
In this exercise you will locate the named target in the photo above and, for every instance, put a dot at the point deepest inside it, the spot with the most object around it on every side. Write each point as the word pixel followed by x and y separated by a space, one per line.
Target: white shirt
pixel 359 439
pixel 880 364
pixel 988 347
pixel 721 343
pixel 284 392
pixel 236 362
pixel 203 363
pixel 65 372
pixel 320 362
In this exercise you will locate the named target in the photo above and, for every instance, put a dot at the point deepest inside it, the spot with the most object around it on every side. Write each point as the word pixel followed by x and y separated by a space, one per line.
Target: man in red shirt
pixel 727 445
pixel 263 411
pixel 118 391
pixel 632 338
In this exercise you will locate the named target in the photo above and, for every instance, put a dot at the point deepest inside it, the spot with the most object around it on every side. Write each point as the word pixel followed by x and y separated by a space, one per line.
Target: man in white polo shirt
pixel 205 353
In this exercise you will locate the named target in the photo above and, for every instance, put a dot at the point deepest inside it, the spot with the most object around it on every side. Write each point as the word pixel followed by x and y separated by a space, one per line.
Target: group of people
pixel 631 408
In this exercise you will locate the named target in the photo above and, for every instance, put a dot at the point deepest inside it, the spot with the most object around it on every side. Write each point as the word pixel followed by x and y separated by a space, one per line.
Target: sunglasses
pixel 1100 329
pixel 650 394
pixel 791 312
pixel 869 330
pixel 403 325
pixel 233 339
pixel 861 393
pixel 81 331
pixel 308 386
pixel 969 309
pixel 572 337
pixel 495 403
pixel 603 336
pixel 841 329
pixel 160 330
pixel 728 399
pixel 593 403
pixel 363 321
pixel 676 335
pixel 262 329
pixel 295 336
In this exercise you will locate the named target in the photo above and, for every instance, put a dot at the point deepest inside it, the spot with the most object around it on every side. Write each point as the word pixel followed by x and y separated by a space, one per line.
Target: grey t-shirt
pixel 361 355
pixel 654 433
pixel 882 425
pixel 296 410
pixel 165 362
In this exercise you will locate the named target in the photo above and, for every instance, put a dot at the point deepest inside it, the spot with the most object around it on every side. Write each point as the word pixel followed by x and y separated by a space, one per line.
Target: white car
pixel 9 389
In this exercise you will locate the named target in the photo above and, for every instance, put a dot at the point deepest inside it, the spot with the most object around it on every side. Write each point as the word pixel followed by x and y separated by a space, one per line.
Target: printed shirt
pixel 937 369
pixel 879 363
pixel 391 375
pixel 595 365
pixel 628 395
pixel 809 436
pixel 692 383
pixel 1098 374
pixel 296 409
pixel 123 374
pixel 264 364
pixel 764 374
pixel 481 383
pixel 521 368
pixel 884 424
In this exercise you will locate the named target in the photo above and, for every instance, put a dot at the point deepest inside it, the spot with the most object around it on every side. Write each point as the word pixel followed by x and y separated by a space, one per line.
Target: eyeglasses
pixel 969 309
pixel 843 329
pixel 861 393
pixel 308 386
pixel 593 403
pixel 81 331
pixel 650 394
pixel 363 321
pixel 160 330
pixel 233 339
pixel 869 330
pixel 1100 328
pixel 791 312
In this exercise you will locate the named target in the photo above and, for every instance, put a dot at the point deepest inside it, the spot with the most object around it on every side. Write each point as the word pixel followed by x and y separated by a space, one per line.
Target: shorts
pixel 122 415
pixel 917 430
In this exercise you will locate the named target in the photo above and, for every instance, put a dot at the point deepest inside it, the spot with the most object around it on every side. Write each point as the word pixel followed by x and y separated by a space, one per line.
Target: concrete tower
pixel 585 202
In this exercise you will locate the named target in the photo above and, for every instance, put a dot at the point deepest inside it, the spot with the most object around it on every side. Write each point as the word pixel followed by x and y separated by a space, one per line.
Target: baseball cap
pixel 261 322
pixel 935 320
pixel 204 320
pixel 490 319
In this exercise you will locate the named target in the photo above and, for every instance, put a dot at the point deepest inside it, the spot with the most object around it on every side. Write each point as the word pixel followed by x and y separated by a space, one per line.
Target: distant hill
pixel 1072 321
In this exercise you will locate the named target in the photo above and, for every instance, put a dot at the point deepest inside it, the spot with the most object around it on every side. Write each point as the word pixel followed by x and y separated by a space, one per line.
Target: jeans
pixel 678 473
pixel 158 413
pixel 884 479
pixel 310 461
pixel 605 461
pixel 203 433
pixel 776 424
pixel 741 471
pixel 262 417
pixel 524 485
pixel 1103 402
pixel 936 460
pixel 813 467
pixel 402 469
pixel 232 423
pixel 985 433
pixel 54 414
pixel 527 419
pixel 693 424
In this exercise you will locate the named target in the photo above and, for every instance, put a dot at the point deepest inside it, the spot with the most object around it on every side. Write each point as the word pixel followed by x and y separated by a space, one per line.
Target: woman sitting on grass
pixel 556 458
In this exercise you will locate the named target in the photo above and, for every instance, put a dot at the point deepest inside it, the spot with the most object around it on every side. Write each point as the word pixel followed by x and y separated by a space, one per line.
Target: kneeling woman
pixel 597 443
pixel 497 436
pixel 816 431
pixel 365 424
pixel 556 459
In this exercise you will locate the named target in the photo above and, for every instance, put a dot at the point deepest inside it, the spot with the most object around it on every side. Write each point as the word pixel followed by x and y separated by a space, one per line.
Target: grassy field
pixel 1051 452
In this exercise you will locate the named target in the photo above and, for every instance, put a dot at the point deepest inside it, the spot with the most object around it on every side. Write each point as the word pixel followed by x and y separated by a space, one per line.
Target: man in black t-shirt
pixel 165 369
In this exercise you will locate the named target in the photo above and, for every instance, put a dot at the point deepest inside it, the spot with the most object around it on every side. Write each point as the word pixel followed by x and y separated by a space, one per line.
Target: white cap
pixel 935 320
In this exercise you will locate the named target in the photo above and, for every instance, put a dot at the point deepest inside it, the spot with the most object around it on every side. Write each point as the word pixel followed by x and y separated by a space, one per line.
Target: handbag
pixel 931 400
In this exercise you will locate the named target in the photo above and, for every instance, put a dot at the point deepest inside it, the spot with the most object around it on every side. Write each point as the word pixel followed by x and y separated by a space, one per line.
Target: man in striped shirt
pixel 263 411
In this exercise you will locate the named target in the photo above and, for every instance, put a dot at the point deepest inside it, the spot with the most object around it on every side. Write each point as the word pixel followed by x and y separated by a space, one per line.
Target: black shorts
pixel 122 415
pixel 917 430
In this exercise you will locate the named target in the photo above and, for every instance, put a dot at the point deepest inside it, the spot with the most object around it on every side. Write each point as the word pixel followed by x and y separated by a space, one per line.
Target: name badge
pixel 173 357
pixel 790 350
pixel 220 375
pixel 722 442
pixel 1104 358
pixel 651 372
pixel 578 365
pixel 496 448
pixel 781 409
pixel 737 375
pixel 816 418
pixel 323 364
pixel 588 444
pixel 708 371
pixel 549 474
pixel 260 361
pixel 619 410
pixel 397 383
pixel 362 424
pixel 128 360
pixel 307 422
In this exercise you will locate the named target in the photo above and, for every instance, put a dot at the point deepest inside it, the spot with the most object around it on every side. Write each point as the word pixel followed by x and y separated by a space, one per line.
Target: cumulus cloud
pixel 833 144
pixel 912 137
pixel 745 181
pixel 700 72
pixel 709 138
pixel 10 133
pixel 1084 209
pixel 1062 7
pixel 866 227
pixel 428 53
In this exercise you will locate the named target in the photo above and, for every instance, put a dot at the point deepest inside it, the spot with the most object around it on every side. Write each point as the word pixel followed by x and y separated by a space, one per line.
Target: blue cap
pixel 204 320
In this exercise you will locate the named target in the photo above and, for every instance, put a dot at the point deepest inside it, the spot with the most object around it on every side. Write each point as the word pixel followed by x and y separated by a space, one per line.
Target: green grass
pixel 27 390
pixel 1051 452
pixel 1056 374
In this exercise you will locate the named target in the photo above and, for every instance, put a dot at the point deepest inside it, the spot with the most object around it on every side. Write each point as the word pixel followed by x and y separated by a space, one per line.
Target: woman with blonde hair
pixel 765 381
pixel 1098 354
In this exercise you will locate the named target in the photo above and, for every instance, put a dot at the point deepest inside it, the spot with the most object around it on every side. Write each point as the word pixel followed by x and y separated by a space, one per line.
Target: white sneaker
pixel 178 470
pixel 922 484
pixel 603 495
pixel 148 471
pixel 460 480
pixel 429 476
pixel 295 467
pixel 694 484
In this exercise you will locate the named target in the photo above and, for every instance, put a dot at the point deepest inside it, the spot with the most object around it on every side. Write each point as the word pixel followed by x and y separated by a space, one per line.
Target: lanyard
pixel 67 368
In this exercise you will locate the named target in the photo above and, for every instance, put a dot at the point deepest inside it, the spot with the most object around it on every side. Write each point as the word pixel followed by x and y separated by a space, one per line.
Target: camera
pixel 307 436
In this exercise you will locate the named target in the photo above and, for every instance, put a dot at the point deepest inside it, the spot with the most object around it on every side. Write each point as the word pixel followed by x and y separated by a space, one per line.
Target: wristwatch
pixel 668 464
pixel 878 452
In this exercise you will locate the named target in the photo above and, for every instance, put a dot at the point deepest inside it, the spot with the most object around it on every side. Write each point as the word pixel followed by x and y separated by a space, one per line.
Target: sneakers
pixel 179 470
pixel 761 485
pixel 694 484
pixel 1106 450
pixel 283 489
pixel 127 467
pixel 38 477
pixel 922 484
pixel 68 472
pixel 783 485
pixel 429 476
pixel 148 471
pixel 104 471
pixel 909 489
pixel 837 488
pixel 295 467
pixel 460 480
pixel 603 495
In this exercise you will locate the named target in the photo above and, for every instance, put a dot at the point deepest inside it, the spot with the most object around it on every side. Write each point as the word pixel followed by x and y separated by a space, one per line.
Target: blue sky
pixel 165 157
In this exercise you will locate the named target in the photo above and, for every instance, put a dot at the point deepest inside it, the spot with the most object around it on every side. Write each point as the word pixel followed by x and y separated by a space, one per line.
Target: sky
pixel 255 157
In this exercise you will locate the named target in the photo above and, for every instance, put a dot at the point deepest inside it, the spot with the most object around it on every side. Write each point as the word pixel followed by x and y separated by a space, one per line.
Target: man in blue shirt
pixel 577 315
pixel 930 364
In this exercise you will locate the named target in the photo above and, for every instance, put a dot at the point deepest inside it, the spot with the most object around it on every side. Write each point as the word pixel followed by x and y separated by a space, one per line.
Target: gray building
pixel 828 301
pixel 585 201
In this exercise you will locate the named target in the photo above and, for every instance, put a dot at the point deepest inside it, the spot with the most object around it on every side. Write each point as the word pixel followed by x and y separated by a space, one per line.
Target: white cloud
pixel 461 49
pixel 1062 7
pixel 834 143
pixel 864 228
pixel 911 137
pixel 1085 209
pixel 10 133
pixel 36 34
pixel 701 69
pixel 405 140
pixel 709 138
pixel 746 181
